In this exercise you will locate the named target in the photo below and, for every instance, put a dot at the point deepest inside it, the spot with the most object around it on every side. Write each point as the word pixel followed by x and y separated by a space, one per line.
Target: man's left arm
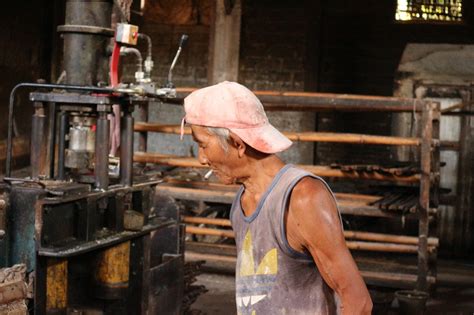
pixel 313 225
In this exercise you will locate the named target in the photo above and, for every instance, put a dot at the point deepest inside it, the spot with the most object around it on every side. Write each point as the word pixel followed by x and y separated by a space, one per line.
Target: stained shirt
pixel 271 277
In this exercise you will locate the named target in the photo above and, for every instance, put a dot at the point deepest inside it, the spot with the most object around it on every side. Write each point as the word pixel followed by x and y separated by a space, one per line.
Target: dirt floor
pixel 220 299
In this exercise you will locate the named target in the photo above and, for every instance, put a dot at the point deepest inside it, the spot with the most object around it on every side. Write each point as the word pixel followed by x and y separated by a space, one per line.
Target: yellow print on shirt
pixel 255 275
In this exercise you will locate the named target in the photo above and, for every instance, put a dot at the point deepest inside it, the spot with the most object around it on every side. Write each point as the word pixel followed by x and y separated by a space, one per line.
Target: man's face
pixel 211 153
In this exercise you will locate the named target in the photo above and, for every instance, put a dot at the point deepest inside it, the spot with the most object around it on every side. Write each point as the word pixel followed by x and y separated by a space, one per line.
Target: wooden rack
pixel 425 177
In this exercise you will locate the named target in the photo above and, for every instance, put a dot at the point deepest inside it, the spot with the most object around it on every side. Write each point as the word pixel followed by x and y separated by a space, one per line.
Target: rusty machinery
pixel 93 239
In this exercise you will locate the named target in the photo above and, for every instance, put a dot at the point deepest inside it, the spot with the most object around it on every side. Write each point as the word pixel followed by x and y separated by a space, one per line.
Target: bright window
pixel 429 11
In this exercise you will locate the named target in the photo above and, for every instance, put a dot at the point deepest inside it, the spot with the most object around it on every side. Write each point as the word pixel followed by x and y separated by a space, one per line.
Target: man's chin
pixel 226 180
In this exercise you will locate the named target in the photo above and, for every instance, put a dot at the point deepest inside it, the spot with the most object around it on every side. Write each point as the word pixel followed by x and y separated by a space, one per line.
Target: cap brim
pixel 265 138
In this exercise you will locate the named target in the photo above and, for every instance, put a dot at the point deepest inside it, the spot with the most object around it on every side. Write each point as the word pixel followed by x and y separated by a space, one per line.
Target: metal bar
pixel 126 150
pixel 63 130
pixel 72 98
pixel 37 140
pixel 102 152
pixel 142 135
pixel 302 101
pixel 424 202
pixel 89 246
pixel 300 136
pixel 52 138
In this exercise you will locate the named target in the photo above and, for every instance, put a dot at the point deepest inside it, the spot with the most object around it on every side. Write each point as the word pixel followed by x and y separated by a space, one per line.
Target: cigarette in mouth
pixel 208 174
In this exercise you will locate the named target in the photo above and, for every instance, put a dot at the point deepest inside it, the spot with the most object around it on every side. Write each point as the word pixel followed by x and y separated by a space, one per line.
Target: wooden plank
pixel 224 42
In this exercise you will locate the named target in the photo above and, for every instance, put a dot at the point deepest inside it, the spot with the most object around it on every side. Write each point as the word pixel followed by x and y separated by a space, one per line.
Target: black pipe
pixel 126 150
pixel 63 130
pixel 86 34
pixel 37 140
pixel 102 152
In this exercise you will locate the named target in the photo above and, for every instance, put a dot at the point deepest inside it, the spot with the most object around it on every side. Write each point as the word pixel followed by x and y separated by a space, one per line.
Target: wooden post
pixel 423 209
pixel 224 41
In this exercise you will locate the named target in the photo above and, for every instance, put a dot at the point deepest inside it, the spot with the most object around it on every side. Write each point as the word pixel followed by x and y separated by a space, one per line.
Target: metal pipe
pixel 148 60
pixel 149 44
pixel 136 52
pixel 126 150
pixel 143 135
pixel 52 138
pixel 182 42
pixel 63 130
pixel 102 152
pixel 37 140
pixel 87 28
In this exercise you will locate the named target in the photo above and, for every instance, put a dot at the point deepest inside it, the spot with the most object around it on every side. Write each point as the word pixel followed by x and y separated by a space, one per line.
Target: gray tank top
pixel 271 277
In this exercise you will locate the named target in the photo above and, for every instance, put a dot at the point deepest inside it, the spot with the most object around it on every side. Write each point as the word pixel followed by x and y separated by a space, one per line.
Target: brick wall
pixel 273 49
pixel 191 69
pixel 273 45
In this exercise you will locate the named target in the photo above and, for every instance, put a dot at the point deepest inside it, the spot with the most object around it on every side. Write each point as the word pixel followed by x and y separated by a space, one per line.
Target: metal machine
pixel 93 240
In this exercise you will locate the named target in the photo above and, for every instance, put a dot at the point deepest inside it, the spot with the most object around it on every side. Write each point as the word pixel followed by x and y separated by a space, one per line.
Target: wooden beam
pixel 353 245
pixel 301 136
pixel 308 101
pixel 319 170
pixel 357 235
pixel 224 42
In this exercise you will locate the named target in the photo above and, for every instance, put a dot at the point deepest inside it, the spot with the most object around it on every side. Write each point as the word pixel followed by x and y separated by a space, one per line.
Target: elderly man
pixel 292 256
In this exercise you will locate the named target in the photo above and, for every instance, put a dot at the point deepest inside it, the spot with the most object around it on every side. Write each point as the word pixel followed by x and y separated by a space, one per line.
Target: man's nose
pixel 202 157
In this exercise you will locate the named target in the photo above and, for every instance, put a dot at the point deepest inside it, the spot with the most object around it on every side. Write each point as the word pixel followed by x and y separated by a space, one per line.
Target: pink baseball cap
pixel 231 105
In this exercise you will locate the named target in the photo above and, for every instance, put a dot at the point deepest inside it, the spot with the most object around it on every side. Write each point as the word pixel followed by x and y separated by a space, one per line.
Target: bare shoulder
pixel 311 193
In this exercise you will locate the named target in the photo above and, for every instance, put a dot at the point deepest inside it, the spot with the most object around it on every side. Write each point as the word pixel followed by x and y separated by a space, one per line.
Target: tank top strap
pixel 292 177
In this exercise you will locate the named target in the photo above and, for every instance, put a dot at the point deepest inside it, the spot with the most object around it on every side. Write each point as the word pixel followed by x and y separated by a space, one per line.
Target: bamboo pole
pixel 301 136
pixel 366 236
pixel 354 245
pixel 211 221
pixel 307 101
pixel 323 171
pixel 209 231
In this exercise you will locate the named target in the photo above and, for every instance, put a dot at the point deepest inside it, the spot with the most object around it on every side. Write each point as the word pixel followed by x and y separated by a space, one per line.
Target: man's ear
pixel 238 144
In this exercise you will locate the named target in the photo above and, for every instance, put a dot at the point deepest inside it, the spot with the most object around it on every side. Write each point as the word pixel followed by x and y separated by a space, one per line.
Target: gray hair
pixel 223 134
